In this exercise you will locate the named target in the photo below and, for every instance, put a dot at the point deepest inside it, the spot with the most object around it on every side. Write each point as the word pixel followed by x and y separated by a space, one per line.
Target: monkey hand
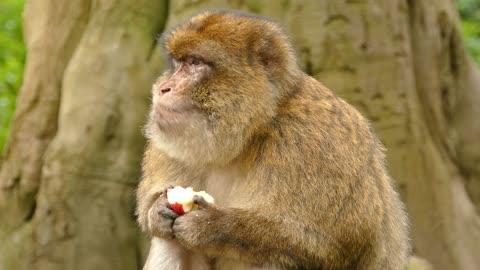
pixel 181 199
pixel 161 217
pixel 198 228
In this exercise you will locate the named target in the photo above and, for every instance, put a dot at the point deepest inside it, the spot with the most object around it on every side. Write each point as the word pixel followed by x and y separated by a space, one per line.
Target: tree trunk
pixel 72 160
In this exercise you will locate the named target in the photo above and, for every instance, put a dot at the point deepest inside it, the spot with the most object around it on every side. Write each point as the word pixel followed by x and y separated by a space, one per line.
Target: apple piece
pixel 181 199
pixel 177 208
pixel 206 196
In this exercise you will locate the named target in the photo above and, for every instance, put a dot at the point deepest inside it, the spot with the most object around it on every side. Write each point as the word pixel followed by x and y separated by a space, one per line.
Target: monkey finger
pixel 201 202
pixel 167 212
pixel 167 187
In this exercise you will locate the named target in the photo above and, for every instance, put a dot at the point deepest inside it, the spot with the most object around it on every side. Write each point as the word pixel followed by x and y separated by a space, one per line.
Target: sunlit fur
pixel 297 173
pixel 242 96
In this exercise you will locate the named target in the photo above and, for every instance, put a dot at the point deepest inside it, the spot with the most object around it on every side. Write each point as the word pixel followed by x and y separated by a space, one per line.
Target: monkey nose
pixel 165 90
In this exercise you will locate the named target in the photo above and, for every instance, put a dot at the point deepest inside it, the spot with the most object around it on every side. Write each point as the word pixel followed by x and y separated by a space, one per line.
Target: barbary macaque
pixel 298 175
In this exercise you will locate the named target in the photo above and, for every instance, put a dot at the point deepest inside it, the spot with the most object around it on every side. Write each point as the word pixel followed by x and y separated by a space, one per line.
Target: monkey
pixel 297 173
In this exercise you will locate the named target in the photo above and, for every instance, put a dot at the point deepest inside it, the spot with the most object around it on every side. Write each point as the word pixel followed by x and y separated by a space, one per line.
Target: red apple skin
pixel 178 208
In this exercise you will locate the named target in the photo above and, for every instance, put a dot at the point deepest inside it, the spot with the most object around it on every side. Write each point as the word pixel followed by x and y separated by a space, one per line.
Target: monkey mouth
pixel 171 116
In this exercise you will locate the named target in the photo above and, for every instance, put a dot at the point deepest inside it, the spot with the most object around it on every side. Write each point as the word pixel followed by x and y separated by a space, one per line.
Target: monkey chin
pixel 181 135
pixel 192 139
pixel 170 119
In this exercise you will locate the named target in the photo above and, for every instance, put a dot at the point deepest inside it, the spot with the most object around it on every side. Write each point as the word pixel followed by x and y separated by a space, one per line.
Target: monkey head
pixel 226 74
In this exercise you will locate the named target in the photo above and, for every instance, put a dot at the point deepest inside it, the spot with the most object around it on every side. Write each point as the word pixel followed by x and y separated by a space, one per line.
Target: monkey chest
pixel 229 187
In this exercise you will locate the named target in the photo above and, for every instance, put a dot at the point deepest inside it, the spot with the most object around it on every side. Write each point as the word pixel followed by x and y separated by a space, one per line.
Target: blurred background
pixel 12 61
pixel 75 81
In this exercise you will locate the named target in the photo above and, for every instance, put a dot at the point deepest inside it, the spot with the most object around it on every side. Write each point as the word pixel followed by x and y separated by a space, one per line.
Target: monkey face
pixel 173 106
pixel 222 84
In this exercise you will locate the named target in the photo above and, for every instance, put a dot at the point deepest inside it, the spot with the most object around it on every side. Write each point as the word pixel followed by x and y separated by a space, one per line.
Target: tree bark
pixel 72 162
pixel 73 157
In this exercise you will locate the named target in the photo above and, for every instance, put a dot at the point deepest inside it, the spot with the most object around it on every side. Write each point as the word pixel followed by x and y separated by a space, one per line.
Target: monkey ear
pixel 272 55
pixel 268 61
pixel 267 53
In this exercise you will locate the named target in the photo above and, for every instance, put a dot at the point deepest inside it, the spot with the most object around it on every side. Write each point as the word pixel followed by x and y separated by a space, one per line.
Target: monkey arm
pixel 158 172
pixel 247 235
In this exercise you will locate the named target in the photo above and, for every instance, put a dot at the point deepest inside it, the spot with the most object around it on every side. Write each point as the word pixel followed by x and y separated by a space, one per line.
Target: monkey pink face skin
pixel 172 102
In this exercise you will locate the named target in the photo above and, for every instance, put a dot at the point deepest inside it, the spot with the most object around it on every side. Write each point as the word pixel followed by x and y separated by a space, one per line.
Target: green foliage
pixel 12 58
pixel 470 13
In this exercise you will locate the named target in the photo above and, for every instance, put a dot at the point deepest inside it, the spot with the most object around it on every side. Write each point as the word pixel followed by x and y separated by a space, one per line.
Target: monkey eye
pixel 193 61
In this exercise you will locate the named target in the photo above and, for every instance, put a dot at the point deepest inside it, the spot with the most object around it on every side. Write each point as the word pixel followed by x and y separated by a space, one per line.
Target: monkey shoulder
pixel 315 115
pixel 315 125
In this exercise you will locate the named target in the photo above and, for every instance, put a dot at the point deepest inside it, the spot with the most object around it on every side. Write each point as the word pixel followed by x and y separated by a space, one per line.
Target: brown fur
pixel 298 174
